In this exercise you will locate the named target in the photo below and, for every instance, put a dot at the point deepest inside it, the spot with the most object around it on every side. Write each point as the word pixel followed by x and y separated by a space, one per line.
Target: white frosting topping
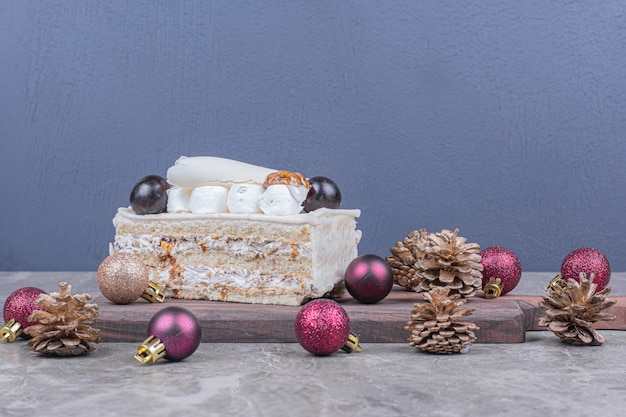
pixel 302 218
pixel 178 200
pixel 198 171
pixel 208 199
pixel 244 198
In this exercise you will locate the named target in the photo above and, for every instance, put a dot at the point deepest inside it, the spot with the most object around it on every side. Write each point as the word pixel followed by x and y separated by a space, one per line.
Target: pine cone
pixel 572 307
pixel 424 261
pixel 402 262
pixel 436 326
pixel 65 328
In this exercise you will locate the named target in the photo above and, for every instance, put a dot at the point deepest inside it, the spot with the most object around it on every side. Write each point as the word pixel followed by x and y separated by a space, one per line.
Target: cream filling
pixel 246 248
pixel 195 277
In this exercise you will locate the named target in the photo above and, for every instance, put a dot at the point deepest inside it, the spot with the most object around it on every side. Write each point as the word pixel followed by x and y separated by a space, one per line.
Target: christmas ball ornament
pixel 590 261
pixel 368 278
pixel 17 308
pixel 322 327
pixel 174 334
pixel 123 277
pixel 502 271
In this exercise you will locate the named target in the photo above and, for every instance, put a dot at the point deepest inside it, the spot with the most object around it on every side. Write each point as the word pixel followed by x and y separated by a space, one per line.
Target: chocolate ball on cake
pixel 324 192
pixel 149 195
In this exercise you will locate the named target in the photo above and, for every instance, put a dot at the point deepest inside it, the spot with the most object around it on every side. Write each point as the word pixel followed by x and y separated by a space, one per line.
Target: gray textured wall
pixel 505 119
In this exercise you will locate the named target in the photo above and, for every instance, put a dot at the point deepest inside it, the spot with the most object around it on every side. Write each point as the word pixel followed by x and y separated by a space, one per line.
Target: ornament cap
pixel 352 344
pixel 10 331
pixel 556 282
pixel 493 288
pixel 153 293
pixel 150 350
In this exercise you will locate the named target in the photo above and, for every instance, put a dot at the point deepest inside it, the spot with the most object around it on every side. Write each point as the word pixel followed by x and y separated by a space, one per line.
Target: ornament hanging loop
pixel 150 350
pixel 555 283
pixel 10 331
pixel 352 344
pixel 493 288
pixel 153 293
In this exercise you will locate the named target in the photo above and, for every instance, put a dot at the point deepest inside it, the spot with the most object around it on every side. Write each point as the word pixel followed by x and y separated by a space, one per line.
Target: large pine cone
pixel 65 328
pixel 424 261
pixel 437 327
pixel 571 309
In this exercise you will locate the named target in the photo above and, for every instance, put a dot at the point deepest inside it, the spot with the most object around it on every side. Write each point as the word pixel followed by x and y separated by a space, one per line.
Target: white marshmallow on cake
pixel 298 193
pixel 178 200
pixel 244 198
pixel 209 199
pixel 279 200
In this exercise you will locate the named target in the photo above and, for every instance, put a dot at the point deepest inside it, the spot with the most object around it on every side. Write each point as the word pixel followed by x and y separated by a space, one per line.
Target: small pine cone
pixel 65 324
pixel 436 326
pixel 572 308
pixel 404 254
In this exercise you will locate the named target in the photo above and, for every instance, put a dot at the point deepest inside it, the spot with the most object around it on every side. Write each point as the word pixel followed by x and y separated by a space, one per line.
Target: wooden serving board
pixel 501 320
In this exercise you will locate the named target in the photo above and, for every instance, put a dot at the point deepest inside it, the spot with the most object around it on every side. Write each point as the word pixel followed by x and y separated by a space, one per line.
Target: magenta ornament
pixel 17 308
pixel 368 278
pixel 590 261
pixel 322 327
pixel 174 333
pixel 500 262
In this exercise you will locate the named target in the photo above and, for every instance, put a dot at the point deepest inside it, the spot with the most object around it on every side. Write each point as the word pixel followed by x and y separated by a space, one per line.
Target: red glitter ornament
pixel 590 261
pixel 322 327
pixel 17 308
pixel 368 278
pixel 499 262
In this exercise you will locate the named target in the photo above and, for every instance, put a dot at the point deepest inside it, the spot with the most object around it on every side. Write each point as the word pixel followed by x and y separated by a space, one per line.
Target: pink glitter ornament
pixel 500 262
pixel 590 261
pixel 17 308
pixel 174 333
pixel 368 278
pixel 322 327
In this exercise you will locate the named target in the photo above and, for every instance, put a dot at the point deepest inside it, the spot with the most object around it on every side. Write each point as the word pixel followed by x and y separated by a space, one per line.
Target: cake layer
pixel 253 258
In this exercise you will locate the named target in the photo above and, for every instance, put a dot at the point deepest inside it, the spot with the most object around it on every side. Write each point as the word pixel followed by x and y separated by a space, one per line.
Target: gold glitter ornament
pixel 123 277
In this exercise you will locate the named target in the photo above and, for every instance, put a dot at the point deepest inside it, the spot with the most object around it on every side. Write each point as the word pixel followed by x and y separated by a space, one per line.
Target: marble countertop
pixel 541 377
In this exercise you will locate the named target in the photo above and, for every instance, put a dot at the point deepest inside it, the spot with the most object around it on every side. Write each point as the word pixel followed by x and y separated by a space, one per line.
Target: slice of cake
pixel 235 232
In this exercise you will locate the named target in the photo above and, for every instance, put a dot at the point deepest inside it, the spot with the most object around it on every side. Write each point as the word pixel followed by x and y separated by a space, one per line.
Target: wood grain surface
pixel 501 320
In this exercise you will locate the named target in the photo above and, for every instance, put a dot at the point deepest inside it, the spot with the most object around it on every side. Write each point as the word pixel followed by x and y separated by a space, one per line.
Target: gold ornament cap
pixel 153 293
pixel 150 350
pixel 493 288
pixel 352 344
pixel 556 282
pixel 10 331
